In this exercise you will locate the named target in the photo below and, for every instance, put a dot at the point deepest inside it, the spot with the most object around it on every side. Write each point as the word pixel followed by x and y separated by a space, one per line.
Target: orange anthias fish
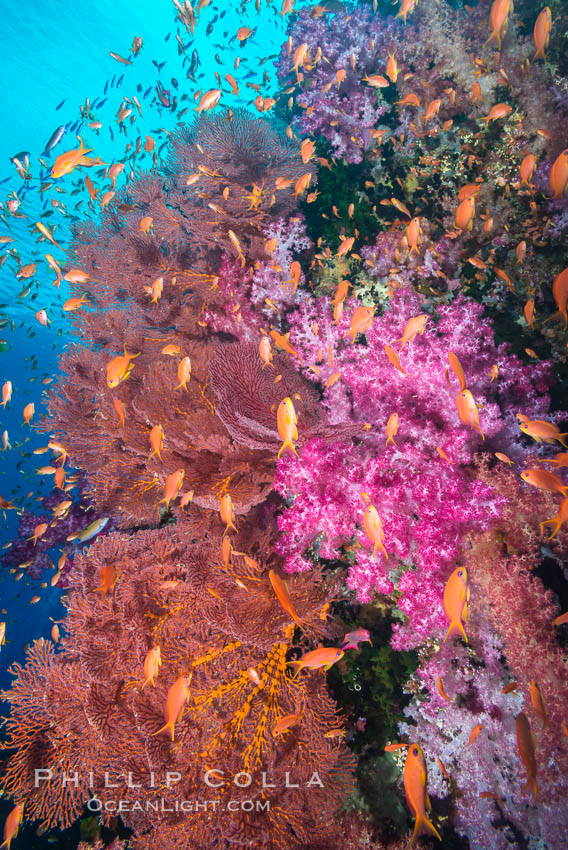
pixel 525 744
pixel 281 592
pixel 360 322
pixel 498 20
pixel 119 368
pixel 441 690
pixel 281 341
pixel 467 410
pixel 456 597
pixel 12 825
pixel 374 528
pixel 287 423
pixel 545 480
pixel 457 369
pixel 541 32
pixel 392 428
pixel 413 234
pixel 152 664
pixel 474 734
pixel 109 576
pixel 178 696
pixel 6 392
pixel 415 788
pixel 558 178
pixel 560 294
pixel 558 521
pixel 465 214
pixel 540 429
pixel 527 169
pixel 183 373
pixel 500 110
pixel 286 723
pixel 208 100
pixel 394 359
pixel 324 657
pixel 68 161
pixel 156 441
pixel 265 351
pixel 538 703
pixel 227 511
pixel 172 487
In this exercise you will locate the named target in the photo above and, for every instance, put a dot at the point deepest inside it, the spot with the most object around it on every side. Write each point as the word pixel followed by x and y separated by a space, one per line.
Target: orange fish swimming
pixel 500 110
pixel 413 234
pixel 152 664
pixel 119 368
pixel 525 744
pixel 541 32
pixel 557 521
pixel 12 825
pixel 392 428
pixel 281 592
pixel 156 441
pixel 178 696
pixel 541 430
pixel 465 214
pixel 183 373
pixel 538 703
pixel 498 20
pixel 457 369
pixel 109 577
pixel 558 178
pixel 360 322
pixel 287 423
pixel 394 359
pixel 527 169
pixel 172 487
pixel 323 657
pixel 560 294
pixel 456 597
pixel 467 410
pixel 545 480
pixel 68 161
pixel 415 788
pixel 374 529
pixel 227 511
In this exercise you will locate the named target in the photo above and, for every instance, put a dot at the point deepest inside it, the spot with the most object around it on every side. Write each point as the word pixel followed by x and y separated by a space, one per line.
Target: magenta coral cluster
pixel 427 500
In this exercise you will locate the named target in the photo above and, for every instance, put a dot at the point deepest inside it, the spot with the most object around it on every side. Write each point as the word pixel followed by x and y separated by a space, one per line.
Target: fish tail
pixel 296 666
pixel 456 627
pixel 555 521
pixel 560 439
pixel 424 824
pixel 531 785
pixel 169 725
pixel 287 444
pixel 494 34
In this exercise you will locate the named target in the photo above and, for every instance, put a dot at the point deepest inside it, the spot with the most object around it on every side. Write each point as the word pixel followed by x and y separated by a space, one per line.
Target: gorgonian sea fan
pixel 83 708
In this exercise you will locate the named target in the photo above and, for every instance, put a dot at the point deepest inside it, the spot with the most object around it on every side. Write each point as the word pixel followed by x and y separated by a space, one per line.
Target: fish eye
pixel 415 751
pixel 460 573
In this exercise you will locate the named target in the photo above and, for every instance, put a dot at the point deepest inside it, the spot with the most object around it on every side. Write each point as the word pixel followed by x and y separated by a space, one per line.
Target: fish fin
pixel 169 725
pixel 554 521
pixel 531 785
pixel 456 627
pixel 296 665
pixel 424 824
pixel 287 444
pixel 560 440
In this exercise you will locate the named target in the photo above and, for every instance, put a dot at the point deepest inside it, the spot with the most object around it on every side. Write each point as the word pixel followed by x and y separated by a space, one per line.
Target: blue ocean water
pixel 58 56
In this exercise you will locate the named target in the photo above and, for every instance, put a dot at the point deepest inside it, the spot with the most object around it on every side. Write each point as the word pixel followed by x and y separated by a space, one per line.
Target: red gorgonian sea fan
pixel 220 430
pixel 84 709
